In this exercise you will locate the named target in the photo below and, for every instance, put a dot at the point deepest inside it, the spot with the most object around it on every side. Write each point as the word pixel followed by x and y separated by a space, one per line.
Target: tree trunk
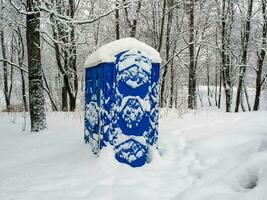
pixel 216 87
pixel 66 53
pixel 154 25
pixel 21 54
pixel 261 57
pixel 168 46
pixel 117 22
pixel 247 97
pixel 259 79
pixel 172 85
pixel 244 41
pixel 225 72
pixel 5 70
pixel 162 26
pixel 72 103
pixel 133 25
pixel 192 96
pixel 73 60
pixel 169 28
pixel 220 90
pixel 36 93
pixel 208 82
pixel 49 93
pixel 64 99
pixel 23 90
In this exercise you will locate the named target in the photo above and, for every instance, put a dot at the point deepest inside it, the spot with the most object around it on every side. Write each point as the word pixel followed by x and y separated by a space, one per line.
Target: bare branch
pixel 176 54
pixel 14 65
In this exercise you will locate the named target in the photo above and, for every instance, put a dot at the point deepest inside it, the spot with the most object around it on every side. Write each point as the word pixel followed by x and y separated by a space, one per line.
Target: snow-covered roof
pixel 108 52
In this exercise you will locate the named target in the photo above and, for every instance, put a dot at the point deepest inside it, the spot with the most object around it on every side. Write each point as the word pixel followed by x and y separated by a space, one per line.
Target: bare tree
pixel 162 26
pixel 261 56
pixel 227 12
pixel 244 42
pixel 36 93
pixel 132 24
pixel 21 55
pixel 7 86
pixel 197 49
pixel 117 21
pixel 66 53
pixel 192 93
pixel 163 99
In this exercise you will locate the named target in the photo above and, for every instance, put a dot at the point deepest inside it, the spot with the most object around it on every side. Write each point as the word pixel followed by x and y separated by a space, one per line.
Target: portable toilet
pixel 121 100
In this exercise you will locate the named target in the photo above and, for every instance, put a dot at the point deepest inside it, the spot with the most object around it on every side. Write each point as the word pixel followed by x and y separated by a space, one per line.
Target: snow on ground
pixel 205 155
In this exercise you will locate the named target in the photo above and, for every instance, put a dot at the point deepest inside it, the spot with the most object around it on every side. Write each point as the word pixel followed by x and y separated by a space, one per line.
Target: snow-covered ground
pixel 202 156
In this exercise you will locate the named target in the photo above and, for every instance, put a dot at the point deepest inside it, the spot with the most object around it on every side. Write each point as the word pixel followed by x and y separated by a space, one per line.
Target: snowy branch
pixel 14 65
pixel 176 54
pixel 66 18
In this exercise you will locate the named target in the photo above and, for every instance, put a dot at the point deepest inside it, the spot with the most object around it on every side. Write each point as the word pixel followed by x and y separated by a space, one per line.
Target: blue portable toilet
pixel 121 100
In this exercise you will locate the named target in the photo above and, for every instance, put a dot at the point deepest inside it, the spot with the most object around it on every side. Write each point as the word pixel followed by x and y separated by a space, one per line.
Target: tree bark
pixel 225 72
pixel 216 87
pixel 64 99
pixel 208 81
pixel 23 89
pixel 117 22
pixel 167 49
pixel 162 25
pixel 261 57
pixel 73 60
pixel 66 54
pixel 21 55
pixel 243 68
pixel 36 93
pixel 133 25
pixel 5 70
pixel 192 93
pixel 172 84
pixel 220 89
pixel 247 97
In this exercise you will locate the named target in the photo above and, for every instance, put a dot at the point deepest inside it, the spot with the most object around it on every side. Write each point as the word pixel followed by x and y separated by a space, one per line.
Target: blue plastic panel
pixel 93 85
pixel 134 102
pixel 122 107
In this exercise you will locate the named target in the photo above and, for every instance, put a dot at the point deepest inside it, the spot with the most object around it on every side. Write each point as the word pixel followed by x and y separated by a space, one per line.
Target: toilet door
pixel 133 81
pixel 133 77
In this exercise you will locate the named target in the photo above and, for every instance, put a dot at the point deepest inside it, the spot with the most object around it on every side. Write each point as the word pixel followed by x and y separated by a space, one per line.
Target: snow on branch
pixel 176 54
pixel 124 5
pixel 14 64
